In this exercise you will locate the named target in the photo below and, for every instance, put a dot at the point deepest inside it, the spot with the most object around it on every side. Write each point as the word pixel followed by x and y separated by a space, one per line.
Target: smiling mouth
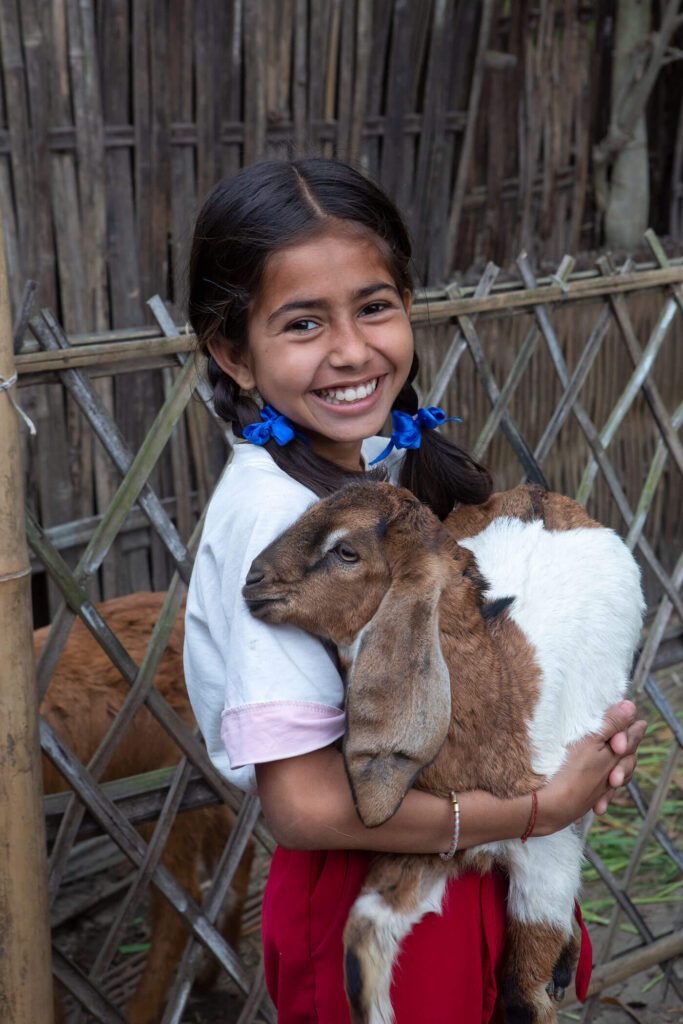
pixel 348 395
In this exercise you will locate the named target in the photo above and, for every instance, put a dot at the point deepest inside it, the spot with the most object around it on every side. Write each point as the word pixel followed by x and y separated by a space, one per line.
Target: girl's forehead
pixel 327 265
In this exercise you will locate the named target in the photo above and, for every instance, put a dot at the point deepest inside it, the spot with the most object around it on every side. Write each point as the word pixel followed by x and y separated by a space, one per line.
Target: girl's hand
pixel 594 768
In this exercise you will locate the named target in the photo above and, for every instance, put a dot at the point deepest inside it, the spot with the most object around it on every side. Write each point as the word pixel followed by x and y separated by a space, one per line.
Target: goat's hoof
pixel 555 991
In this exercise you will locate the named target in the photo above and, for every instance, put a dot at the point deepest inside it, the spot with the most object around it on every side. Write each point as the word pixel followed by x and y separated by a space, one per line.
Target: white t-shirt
pixel 259 692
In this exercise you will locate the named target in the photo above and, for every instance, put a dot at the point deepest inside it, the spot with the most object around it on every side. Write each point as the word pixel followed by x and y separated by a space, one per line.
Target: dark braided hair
pixel 247 218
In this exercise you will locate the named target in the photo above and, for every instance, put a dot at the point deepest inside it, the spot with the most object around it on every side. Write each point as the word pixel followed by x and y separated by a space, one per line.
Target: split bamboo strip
pixel 51 336
pixel 626 904
pixel 625 966
pixel 174 725
pixel 659 832
pixel 137 889
pixel 593 439
pixel 140 797
pixel 507 423
pixel 211 906
pixel 140 689
pixel 533 295
pixel 577 379
pixel 656 631
pixel 90 997
pixel 651 482
pixel 23 868
pixel 649 387
pixel 624 402
pixel 434 311
pixel 648 826
pixel 176 728
pixel 458 344
pixel 255 999
pixel 128 840
pixel 111 353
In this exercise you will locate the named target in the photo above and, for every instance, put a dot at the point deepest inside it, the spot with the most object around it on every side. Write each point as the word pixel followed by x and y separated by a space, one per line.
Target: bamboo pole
pixel 628 964
pixel 25 972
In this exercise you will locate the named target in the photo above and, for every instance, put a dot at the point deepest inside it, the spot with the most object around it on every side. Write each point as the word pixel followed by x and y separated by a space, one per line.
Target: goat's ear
pixel 398 701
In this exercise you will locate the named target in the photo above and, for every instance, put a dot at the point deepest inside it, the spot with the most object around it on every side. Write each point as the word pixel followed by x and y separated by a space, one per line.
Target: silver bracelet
pixel 456 829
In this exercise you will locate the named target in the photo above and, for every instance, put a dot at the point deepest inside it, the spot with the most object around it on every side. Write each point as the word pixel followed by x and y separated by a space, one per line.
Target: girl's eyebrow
pixel 361 293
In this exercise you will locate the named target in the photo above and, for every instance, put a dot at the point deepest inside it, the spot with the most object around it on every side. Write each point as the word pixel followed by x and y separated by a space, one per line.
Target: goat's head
pixel 365 568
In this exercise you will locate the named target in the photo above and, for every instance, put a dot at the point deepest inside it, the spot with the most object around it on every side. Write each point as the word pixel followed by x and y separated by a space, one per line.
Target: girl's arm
pixel 307 801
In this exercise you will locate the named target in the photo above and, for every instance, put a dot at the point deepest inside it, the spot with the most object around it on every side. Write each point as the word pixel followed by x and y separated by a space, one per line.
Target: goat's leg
pixel 397 893
pixel 541 948
pixel 563 971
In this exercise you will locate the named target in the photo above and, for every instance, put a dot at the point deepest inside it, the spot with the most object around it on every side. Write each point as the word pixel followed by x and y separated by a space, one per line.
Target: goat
pixel 84 696
pixel 536 611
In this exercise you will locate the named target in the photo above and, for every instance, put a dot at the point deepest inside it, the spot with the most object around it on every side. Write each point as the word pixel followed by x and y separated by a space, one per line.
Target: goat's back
pixel 577 598
pixel 86 690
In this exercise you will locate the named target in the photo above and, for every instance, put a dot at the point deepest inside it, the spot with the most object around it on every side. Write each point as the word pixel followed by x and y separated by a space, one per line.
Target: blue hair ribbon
pixel 274 425
pixel 407 432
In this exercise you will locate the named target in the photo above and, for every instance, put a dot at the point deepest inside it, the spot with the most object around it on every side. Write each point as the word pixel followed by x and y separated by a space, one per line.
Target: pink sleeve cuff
pixel 273 729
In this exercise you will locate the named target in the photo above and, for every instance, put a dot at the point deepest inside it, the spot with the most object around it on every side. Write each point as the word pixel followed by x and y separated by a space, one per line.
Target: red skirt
pixel 446 972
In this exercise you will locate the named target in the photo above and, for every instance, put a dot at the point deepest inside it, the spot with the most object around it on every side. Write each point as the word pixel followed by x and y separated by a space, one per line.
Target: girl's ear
pixel 232 363
pixel 407 300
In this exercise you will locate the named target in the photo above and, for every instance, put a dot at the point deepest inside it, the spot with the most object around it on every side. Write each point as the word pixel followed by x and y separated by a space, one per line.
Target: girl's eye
pixel 346 553
pixel 375 307
pixel 303 326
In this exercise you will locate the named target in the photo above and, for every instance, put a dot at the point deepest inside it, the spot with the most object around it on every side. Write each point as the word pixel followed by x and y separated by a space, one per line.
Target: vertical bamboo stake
pixel 25 975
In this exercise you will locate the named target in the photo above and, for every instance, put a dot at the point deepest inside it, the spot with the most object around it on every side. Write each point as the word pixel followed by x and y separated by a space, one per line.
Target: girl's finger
pixel 617 719
pixel 623 771
pixel 603 803
pixel 626 741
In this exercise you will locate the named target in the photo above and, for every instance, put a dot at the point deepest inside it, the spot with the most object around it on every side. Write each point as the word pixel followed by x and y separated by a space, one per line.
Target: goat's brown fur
pixel 84 696
pixel 464 741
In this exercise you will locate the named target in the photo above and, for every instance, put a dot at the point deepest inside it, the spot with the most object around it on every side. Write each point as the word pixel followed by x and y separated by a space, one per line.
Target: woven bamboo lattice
pixel 116 118
pixel 478 118
pixel 607 295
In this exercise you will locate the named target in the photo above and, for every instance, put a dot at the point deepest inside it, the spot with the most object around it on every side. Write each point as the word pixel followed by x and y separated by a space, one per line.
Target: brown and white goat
pixel 84 696
pixel 475 651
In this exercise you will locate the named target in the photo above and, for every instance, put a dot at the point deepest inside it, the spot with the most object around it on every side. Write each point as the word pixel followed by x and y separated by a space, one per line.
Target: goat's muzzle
pixel 258 591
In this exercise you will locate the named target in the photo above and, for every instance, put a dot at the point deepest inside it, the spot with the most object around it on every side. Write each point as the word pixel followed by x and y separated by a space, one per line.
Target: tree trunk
pixel 628 203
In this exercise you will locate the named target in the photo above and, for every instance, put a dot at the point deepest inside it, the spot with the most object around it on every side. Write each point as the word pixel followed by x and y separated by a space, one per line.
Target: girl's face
pixel 330 342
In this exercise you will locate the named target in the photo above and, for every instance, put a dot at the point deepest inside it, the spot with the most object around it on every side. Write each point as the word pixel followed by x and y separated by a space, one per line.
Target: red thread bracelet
pixel 532 817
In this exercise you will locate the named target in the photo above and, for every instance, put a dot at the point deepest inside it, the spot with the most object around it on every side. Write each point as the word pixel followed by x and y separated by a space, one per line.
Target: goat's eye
pixel 346 553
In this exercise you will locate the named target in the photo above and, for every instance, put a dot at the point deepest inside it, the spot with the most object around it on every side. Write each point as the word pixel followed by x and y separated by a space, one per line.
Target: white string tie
pixel 6 386
pixel 19 574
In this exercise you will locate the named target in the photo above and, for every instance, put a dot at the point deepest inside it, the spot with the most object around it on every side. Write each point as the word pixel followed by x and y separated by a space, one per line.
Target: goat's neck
pixel 467 641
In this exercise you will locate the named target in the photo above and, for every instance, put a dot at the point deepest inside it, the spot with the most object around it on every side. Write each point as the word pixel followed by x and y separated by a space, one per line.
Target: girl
pixel 300 294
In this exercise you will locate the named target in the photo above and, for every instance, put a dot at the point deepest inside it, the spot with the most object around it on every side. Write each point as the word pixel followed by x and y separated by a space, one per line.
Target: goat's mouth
pixel 263 607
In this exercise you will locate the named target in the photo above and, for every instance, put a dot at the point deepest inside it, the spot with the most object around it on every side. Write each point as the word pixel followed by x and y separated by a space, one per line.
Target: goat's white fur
pixel 577 598
pixel 574 596
pixel 389 930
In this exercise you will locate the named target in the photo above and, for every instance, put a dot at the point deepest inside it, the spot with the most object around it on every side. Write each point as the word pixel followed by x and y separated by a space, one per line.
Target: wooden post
pixel 25 974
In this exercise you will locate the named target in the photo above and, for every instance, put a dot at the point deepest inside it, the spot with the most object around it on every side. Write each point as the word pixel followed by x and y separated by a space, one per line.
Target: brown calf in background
pixel 84 696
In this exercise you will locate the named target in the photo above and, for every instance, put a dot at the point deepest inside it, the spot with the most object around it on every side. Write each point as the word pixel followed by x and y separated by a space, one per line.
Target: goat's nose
pixel 256 573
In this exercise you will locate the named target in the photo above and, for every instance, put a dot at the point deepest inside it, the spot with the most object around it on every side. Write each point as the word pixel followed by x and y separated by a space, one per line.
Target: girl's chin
pixel 350 428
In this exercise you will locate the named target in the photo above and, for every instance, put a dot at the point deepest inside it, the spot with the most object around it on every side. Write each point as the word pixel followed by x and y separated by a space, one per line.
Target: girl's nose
pixel 349 346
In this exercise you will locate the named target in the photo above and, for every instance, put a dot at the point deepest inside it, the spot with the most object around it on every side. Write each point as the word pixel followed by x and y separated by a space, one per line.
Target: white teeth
pixel 339 395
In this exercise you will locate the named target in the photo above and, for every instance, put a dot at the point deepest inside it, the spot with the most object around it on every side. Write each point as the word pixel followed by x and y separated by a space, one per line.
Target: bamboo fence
pixel 116 117
pixel 505 339
pixel 478 118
